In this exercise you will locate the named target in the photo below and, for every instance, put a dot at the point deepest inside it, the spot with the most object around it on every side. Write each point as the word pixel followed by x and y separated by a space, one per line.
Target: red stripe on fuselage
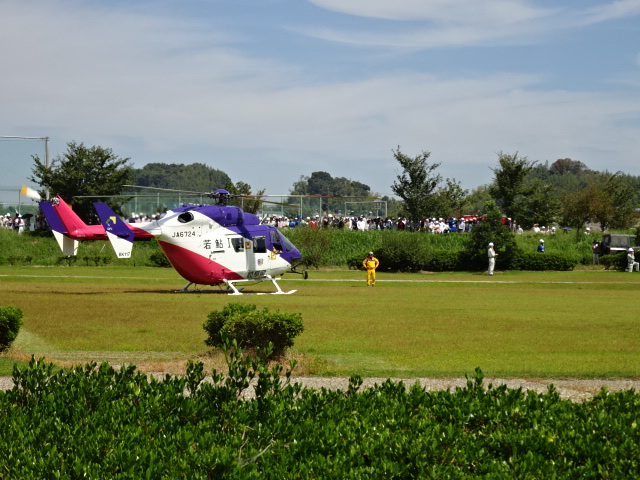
pixel 196 268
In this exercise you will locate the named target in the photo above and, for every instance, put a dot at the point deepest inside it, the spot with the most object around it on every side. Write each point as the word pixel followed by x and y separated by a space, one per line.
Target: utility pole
pixel 46 151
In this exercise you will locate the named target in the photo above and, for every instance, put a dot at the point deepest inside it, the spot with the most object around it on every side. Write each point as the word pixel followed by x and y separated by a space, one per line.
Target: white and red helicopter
pixel 206 244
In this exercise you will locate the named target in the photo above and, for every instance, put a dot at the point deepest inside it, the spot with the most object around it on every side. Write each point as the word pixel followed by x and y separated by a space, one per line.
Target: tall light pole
pixel 46 151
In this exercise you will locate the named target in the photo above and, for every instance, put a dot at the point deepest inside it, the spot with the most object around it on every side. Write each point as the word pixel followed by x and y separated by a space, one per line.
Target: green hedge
pixel 402 251
pixel 617 261
pixel 445 261
pixel 397 250
pixel 98 422
pixel 543 261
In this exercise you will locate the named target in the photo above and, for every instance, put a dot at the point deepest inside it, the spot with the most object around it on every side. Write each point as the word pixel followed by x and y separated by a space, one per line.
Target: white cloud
pixel 155 88
pixel 443 11
pixel 438 23
pixel 610 11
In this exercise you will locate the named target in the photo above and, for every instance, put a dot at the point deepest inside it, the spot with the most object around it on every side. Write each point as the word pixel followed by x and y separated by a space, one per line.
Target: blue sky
pixel 269 90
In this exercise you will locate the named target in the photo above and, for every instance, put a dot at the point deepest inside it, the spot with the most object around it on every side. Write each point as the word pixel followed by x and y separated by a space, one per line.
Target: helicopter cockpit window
pixel 260 245
pixel 275 240
pixel 238 244
pixel 286 242
pixel 185 217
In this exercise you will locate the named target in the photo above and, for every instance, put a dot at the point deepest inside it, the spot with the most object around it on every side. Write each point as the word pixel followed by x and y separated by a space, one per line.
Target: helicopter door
pixel 258 258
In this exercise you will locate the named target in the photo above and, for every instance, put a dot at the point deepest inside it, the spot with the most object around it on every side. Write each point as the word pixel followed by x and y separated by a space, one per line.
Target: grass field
pixel 515 324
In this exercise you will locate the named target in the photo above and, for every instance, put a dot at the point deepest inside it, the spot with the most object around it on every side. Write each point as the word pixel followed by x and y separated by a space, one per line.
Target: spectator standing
pixel 541 246
pixel 371 263
pixel 595 252
pixel 491 253
pixel 631 261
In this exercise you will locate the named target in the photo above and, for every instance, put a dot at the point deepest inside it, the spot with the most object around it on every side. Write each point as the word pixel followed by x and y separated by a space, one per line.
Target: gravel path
pixel 570 389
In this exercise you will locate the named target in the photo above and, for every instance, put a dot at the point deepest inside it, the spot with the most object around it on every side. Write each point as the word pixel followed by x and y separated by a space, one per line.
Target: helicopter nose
pixel 293 256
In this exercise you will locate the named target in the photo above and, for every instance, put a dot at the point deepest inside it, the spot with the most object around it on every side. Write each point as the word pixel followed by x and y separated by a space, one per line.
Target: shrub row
pixel 617 261
pixel 450 261
pixel 543 261
pixel 412 251
pixel 97 422
pixel 397 250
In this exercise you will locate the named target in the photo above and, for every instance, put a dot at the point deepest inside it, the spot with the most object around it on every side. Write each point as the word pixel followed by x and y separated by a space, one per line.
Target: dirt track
pixel 571 389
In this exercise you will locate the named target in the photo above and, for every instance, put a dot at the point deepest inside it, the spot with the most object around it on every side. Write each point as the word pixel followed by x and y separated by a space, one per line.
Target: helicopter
pixel 206 244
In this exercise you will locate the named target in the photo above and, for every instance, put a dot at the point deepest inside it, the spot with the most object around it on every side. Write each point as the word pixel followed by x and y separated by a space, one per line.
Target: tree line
pixel 567 191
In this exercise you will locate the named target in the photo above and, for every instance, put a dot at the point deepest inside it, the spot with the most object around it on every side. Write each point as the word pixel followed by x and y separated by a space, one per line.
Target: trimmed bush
pixel 445 261
pixel 10 323
pixel 355 262
pixel 314 245
pixel 618 261
pixel 252 328
pixel 543 261
pixel 402 251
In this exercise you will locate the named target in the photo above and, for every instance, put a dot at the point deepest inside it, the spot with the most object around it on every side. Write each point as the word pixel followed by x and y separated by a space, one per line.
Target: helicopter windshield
pixel 288 246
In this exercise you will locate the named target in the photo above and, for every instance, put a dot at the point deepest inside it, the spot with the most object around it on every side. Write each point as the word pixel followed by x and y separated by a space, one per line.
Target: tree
pixel 608 199
pixel 477 198
pixel 578 208
pixel 195 177
pixel 251 203
pixel 331 190
pixel 320 183
pixel 508 188
pixel 450 199
pixel 564 166
pixel 491 229
pixel 616 208
pixel 84 171
pixel 540 205
pixel 417 184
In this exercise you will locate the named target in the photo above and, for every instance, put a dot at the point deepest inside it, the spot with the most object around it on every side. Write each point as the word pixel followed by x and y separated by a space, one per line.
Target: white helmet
pixel 541 241
pixel 491 244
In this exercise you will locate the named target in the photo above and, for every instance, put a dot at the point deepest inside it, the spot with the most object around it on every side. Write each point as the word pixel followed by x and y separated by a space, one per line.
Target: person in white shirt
pixel 492 258
pixel 631 261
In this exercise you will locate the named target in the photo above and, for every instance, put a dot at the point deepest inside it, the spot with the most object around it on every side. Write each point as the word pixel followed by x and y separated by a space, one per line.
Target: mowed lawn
pixel 514 324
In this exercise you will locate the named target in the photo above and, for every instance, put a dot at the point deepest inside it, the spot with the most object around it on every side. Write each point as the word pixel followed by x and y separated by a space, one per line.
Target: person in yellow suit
pixel 371 263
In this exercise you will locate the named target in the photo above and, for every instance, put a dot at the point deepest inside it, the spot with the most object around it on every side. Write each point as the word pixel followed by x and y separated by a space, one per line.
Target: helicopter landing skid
pixel 234 290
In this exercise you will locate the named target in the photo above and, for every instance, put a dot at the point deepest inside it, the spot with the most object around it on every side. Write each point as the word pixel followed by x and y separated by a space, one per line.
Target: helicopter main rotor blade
pixel 167 190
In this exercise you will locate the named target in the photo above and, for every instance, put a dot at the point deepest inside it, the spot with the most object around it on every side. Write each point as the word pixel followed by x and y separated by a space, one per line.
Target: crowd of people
pixel 16 223
pixel 430 225
pixel 19 223
pixel 362 223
